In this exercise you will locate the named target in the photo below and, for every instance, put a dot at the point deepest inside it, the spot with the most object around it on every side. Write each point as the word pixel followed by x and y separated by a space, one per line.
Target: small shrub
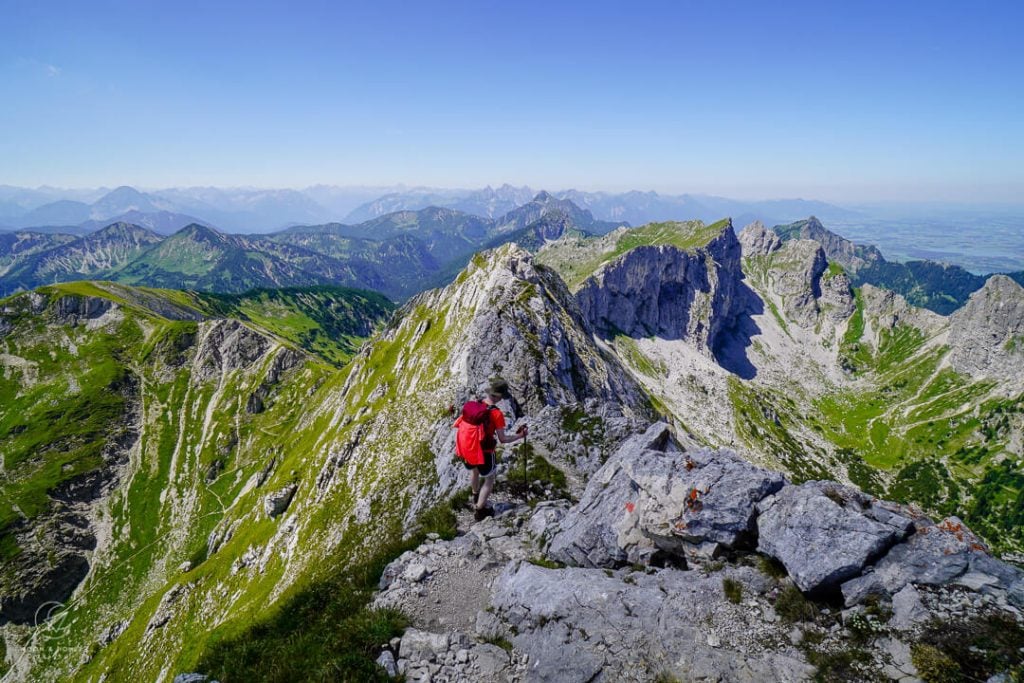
pixel 874 607
pixel 527 467
pixel 810 638
pixel 460 499
pixel 712 567
pixel 733 590
pixel 792 606
pixel 864 627
pixel 933 665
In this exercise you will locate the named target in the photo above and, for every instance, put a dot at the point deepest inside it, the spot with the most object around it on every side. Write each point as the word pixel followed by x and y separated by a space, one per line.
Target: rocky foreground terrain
pixel 694 565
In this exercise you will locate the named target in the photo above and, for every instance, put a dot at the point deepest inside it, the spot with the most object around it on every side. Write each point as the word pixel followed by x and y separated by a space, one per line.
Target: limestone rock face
pixel 667 292
pixel 583 625
pixel 825 533
pixel 646 499
pixel 72 309
pixel 227 345
pixel 986 336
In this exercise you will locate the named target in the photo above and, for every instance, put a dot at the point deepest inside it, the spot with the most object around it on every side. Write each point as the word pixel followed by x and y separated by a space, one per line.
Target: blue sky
pixel 860 100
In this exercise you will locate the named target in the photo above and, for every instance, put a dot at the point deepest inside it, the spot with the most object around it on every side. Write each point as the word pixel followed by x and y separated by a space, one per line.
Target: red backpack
pixel 471 430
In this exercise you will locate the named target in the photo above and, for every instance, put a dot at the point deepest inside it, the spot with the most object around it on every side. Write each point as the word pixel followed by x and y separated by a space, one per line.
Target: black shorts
pixel 485 470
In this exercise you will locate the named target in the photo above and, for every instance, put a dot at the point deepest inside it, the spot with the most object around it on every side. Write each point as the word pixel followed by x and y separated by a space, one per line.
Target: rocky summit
pixel 741 465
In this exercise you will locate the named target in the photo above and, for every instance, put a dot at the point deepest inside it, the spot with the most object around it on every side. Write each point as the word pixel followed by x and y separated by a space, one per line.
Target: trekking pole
pixel 522 449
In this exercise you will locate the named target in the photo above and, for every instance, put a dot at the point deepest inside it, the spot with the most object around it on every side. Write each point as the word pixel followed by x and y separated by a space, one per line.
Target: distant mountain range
pixel 398 253
pixel 635 208
pixel 252 210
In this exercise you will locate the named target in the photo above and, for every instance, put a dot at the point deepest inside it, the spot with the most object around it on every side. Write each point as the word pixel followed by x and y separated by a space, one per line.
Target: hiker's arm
pixel 505 438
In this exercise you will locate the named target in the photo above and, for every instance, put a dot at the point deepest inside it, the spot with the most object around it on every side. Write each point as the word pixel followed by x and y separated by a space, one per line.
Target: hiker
pixel 480 427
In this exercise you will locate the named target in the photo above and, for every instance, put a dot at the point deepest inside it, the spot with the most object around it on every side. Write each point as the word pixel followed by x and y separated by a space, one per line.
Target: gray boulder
pixel 825 533
pixel 700 502
pixel 937 554
pixel 420 645
pixel 594 533
pixel 646 498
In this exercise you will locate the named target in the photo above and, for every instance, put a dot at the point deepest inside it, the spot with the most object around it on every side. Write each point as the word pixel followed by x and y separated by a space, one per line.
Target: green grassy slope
pixel 73 392
pixel 331 322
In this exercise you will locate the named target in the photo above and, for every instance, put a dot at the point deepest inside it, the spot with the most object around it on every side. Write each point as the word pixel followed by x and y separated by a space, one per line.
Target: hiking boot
pixel 483 513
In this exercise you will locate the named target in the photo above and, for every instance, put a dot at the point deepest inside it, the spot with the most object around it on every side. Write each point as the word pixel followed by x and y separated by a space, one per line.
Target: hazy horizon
pixel 862 103
pixel 1016 203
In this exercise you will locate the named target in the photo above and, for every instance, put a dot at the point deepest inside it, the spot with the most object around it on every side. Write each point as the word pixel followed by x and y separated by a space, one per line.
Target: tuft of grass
pixel 440 520
pixel 769 566
pixel 835 496
pixel 733 590
pixel 792 606
pixel 500 642
pixel 714 566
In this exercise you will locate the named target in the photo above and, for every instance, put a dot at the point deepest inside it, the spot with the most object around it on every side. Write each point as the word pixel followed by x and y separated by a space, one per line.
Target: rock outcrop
pixel 275 503
pixel 756 240
pixel 986 336
pixel 797 272
pixel 886 310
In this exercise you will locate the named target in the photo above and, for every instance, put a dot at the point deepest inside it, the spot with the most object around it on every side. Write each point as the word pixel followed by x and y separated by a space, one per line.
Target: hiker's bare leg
pixel 474 482
pixel 485 491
